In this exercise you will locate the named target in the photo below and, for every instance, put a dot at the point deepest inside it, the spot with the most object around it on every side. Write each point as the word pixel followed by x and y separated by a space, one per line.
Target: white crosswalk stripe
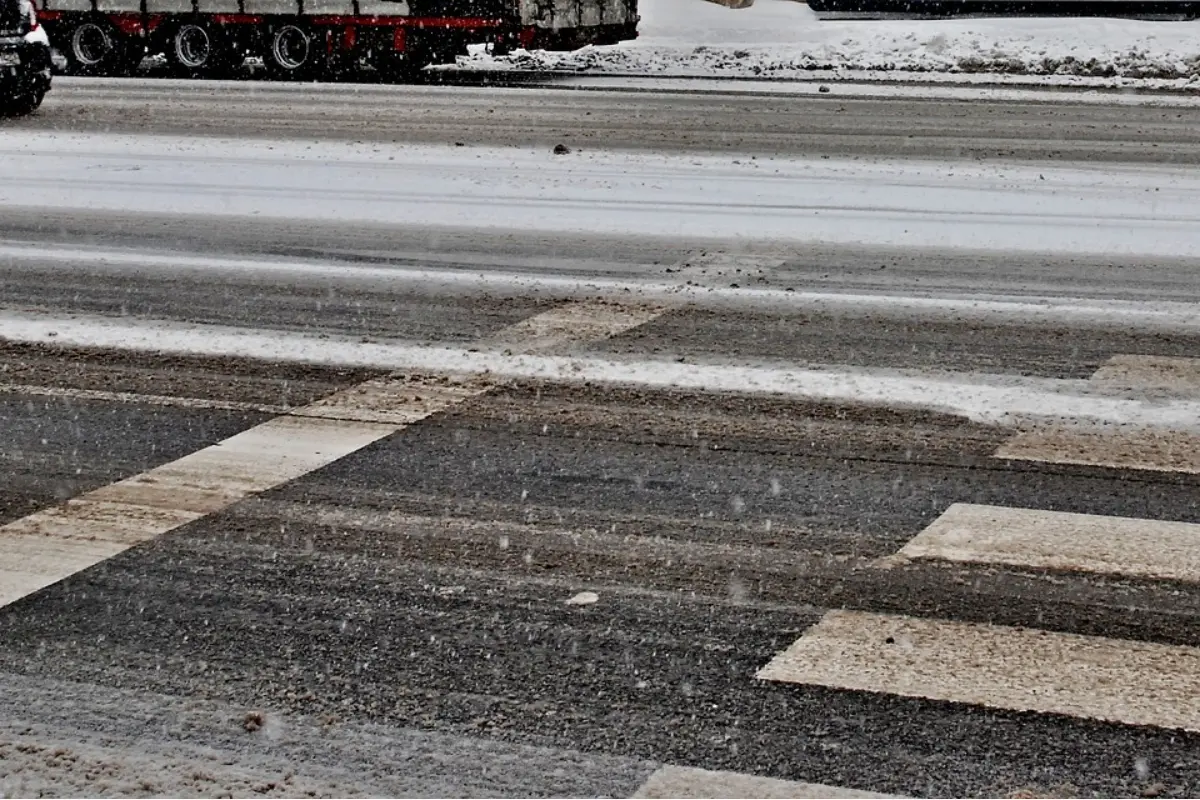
pixel 1151 373
pixel 1023 537
pixel 1163 449
pixel 1137 683
pixel 1114 680
pixel 1118 447
pixel 49 545
pixel 672 781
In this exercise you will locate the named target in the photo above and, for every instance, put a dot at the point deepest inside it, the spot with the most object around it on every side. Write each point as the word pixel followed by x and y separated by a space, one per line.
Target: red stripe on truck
pixel 235 19
pixel 129 24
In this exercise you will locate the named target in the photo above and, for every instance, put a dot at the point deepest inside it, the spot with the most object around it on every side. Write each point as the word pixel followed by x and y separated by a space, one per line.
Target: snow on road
pixel 987 399
pixel 784 39
pixel 1144 210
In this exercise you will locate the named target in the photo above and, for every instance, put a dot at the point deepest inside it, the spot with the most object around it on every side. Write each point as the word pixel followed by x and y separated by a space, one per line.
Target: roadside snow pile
pixel 784 39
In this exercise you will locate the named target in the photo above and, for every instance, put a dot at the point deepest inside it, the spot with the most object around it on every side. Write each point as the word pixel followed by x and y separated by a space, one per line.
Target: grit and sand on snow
pixel 784 39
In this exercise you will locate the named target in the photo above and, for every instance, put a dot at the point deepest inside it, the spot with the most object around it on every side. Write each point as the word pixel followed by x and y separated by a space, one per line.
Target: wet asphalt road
pixel 396 622
pixel 420 583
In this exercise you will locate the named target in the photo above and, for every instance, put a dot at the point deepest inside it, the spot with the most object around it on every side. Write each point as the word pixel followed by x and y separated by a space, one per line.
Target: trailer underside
pixel 311 39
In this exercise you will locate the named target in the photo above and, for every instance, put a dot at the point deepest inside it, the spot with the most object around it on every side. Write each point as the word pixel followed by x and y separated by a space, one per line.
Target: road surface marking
pixel 989 400
pixel 1119 447
pixel 1136 683
pixel 49 545
pixel 1023 537
pixel 686 782
pixel 142 399
pixel 1151 373
pixel 573 324
pixel 1166 447
pixel 484 280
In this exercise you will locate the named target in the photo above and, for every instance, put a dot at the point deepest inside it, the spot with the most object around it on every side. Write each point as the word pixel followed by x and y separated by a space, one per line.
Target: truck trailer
pixel 312 39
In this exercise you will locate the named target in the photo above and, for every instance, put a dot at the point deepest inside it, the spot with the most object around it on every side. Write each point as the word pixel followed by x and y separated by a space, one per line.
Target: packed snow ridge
pixel 785 39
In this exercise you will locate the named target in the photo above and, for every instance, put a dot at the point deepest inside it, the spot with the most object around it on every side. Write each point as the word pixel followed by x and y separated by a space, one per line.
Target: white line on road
pixel 689 782
pixel 577 323
pixel 1151 373
pixel 1119 447
pixel 1162 447
pixel 972 397
pixel 1022 537
pixel 47 546
pixel 1136 683
pixel 1164 315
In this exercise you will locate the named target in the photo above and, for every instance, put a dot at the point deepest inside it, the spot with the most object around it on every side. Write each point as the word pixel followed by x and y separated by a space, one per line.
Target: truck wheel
pixel 22 104
pixel 95 48
pixel 197 51
pixel 292 53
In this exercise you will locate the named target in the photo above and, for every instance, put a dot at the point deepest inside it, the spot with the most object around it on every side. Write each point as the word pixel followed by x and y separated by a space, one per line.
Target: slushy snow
pixel 784 39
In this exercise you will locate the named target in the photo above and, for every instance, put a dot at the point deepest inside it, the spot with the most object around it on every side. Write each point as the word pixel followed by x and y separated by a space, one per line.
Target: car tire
pixel 22 105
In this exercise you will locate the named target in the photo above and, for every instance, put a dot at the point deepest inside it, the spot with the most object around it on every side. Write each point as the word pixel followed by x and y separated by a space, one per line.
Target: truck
pixel 314 39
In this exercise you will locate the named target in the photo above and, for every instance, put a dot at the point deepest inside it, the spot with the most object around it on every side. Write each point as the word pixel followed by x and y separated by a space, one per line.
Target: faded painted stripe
pixel 1136 683
pixel 573 324
pixel 395 400
pixel 1117 446
pixel 203 403
pixel 691 782
pixel 49 545
pixel 1151 373
pixel 1144 445
pixel 1055 540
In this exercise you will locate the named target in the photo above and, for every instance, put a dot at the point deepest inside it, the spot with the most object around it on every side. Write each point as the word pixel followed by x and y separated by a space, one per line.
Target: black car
pixel 24 58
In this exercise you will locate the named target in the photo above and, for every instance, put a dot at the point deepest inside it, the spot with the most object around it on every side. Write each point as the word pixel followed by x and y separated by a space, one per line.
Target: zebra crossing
pixel 49 545
pixel 1028 669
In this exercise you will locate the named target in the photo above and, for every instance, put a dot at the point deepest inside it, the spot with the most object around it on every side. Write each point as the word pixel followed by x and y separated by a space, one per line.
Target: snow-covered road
pixel 1130 210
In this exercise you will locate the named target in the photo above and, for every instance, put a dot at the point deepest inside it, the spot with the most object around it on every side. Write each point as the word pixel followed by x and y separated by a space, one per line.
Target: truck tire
pixel 94 47
pixel 196 50
pixel 293 53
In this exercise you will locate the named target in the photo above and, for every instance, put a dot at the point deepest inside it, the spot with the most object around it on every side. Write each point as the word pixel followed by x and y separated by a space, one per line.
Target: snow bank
pixel 784 39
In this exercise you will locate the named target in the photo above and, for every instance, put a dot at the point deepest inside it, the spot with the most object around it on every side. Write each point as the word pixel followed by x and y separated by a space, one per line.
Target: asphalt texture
pixel 396 623
pixel 420 585
pixel 544 116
